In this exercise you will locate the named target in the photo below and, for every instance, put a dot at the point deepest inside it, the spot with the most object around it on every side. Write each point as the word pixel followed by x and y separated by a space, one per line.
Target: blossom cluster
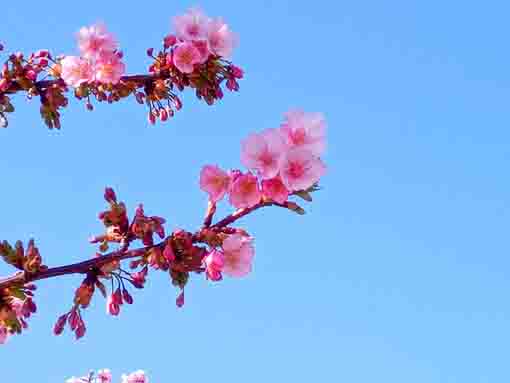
pixel 285 160
pixel 194 56
pixel 281 162
pixel 105 376
pixel 197 38
pixel 100 59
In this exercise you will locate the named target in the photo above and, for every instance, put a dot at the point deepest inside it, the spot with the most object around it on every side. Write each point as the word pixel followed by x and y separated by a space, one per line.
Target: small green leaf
pixel 295 208
pixel 304 195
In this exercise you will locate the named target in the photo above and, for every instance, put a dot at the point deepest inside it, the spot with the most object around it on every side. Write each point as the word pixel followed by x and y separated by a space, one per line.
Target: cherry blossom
pixel 245 191
pixel 214 181
pixel 263 152
pixel 275 190
pixel 192 25
pixel 238 255
pixel 94 40
pixel 301 169
pixel 305 130
pixel 76 70
pixel 222 40
pixel 109 68
pixel 214 262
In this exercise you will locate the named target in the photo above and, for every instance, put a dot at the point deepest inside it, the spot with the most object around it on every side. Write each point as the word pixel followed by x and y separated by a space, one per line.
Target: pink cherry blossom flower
pixel 76 71
pixel 238 255
pixel 192 25
pixel 185 56
pixel 214 181
pixel 135 377
pixel 275 189
pixel 222 40
pixel 305 130
pixel 109 68
pixel 263 152
pixel 301 169
pixel 245 191
pixel 94 40
pixel 214 265
pixel 104 376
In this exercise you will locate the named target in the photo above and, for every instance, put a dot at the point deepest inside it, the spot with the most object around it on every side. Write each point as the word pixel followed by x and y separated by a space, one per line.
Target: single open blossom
pixel 214 181
pixel 305 130
pixel 245 191
pixel 275 189
pixel 109 68
pixel 94 40
pixel 301 169
pixel 185 56
pixel 75 71
pixel 238 253
pixel 135 377
pixel 222 40
pixel 263 152
pixel 192 25
pixel 214 265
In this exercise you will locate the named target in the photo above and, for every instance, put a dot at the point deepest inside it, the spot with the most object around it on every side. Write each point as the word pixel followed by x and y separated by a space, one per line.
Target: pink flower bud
pixel 109 195
pixel 117 297
pixel 150 51
pixel 163 115
pixel 232 85
pixel 80 330
pixel 151 118
pixel 60 324
pixel 213 265
pixel 112 308
pixel 127 297
pixel 169 41
pixel 236 72
pixel 42 53
pixel 31 75
pixel 180 300
pixel 73 320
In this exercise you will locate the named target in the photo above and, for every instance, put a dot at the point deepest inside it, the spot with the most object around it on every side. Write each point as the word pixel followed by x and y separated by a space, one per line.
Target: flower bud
pixel 180 299
pixel 60 324
pixel 127 297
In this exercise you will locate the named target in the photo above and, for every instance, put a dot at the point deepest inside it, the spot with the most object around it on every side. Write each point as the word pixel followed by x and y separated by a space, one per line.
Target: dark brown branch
pixel 75 268
pixel 83 267
pixel 45 84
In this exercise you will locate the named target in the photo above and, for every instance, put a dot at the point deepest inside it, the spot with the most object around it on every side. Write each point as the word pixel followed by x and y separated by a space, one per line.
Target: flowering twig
pixel 196 57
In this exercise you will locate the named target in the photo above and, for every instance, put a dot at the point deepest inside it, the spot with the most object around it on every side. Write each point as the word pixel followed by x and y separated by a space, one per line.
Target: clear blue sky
pixel 400 270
